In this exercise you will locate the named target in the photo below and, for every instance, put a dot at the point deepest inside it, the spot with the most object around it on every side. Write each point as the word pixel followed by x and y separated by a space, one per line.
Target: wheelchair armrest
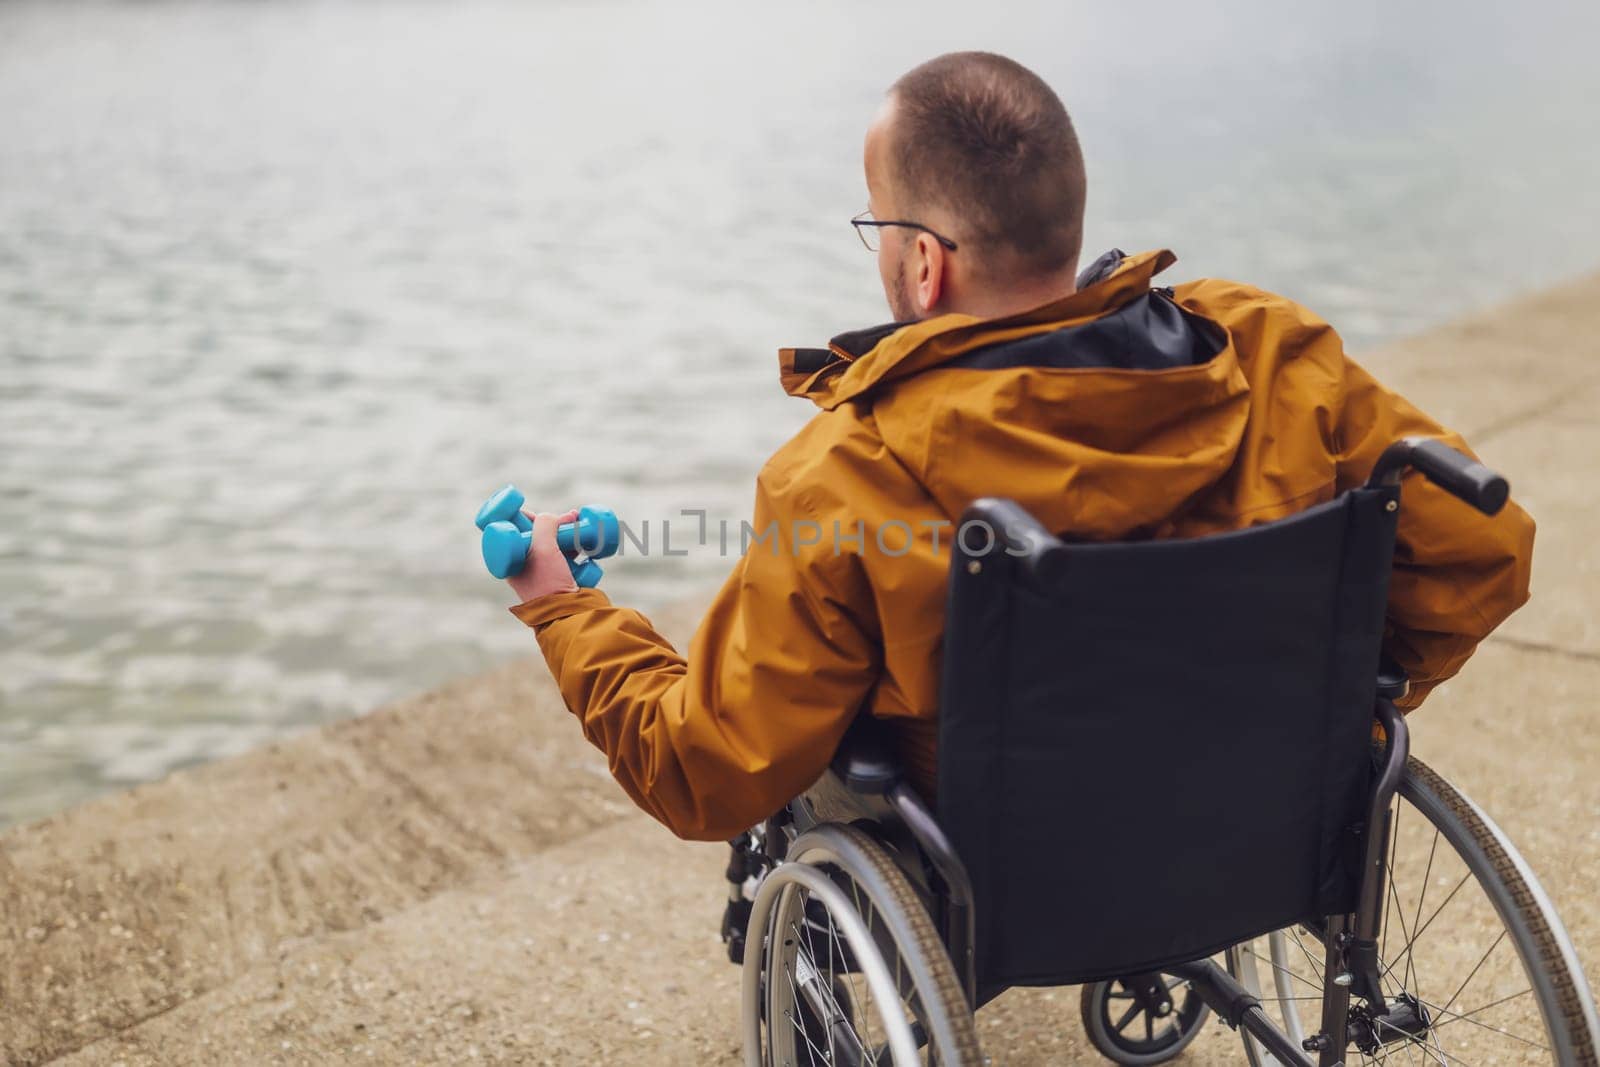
pixel 865 760
pixel 1392 680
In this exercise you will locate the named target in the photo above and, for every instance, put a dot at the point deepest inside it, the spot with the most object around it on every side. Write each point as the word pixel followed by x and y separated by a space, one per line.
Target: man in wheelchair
pixel 1068 544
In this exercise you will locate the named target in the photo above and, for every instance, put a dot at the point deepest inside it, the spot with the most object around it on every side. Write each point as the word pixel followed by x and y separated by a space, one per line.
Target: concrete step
pixel 127 907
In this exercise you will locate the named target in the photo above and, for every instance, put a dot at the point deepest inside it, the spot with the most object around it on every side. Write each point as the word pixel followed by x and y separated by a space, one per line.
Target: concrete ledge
pixel 122 910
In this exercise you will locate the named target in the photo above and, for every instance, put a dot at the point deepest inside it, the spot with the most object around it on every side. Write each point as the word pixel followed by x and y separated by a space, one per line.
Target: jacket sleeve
pixel 1457 573
pixel 776 671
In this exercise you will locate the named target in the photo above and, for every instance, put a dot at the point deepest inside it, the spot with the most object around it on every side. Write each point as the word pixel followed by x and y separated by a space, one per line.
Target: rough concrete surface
pixel 455 878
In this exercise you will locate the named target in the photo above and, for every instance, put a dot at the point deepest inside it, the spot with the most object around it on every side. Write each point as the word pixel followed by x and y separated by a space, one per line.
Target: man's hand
pixel 546 570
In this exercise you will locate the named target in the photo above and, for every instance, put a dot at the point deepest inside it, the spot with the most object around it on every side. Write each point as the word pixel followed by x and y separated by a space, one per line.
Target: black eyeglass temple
pixel 943 240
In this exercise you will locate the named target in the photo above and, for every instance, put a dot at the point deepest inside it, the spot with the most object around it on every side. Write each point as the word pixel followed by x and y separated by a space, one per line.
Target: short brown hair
pixel 986 139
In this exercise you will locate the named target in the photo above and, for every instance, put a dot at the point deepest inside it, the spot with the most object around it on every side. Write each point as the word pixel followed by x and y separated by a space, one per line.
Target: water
pixel 287 289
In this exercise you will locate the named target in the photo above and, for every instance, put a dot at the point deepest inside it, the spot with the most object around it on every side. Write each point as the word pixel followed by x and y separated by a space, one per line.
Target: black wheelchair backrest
pixel 1149 751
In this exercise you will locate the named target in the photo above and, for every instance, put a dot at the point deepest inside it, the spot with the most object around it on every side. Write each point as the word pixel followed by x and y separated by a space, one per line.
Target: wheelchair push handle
pixel 1457 474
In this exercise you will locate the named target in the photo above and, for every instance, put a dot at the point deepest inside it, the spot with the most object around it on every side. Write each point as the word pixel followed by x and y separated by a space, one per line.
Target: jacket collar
pixel 856 361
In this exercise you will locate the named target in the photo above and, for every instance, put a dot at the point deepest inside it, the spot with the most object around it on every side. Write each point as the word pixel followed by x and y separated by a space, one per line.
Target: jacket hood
pixel 1103 412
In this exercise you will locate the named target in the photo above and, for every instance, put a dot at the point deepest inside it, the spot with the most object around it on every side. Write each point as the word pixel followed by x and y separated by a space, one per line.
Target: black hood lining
pixel 855 343
pixel 1151 332
pixel 859 342
pixel 811 360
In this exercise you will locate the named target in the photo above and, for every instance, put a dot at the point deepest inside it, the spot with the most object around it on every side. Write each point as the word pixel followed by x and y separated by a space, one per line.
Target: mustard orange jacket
pixel 1120 411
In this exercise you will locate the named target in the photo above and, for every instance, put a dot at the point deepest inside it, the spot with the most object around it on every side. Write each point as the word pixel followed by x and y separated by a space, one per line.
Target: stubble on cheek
pixel 900 306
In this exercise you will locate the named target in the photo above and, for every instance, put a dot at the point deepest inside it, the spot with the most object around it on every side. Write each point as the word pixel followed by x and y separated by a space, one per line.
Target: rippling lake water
pixel 286 289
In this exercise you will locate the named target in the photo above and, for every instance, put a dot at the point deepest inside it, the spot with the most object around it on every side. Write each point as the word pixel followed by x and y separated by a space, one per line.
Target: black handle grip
pixel 1459 475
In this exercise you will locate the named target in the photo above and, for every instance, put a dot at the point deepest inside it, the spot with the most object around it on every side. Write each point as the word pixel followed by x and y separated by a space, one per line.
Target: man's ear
pixel 930 277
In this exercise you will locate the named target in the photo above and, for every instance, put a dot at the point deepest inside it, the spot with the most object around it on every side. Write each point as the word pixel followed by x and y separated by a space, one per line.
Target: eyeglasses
pixel 867 229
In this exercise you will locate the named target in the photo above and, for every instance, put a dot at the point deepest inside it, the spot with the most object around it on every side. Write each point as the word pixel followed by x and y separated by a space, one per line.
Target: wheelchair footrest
pixel 735 921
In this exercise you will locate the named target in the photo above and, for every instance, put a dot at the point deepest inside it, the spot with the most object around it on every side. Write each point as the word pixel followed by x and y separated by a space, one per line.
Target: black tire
pixel 1547 977
pixel 899 932
pixel 1109 1011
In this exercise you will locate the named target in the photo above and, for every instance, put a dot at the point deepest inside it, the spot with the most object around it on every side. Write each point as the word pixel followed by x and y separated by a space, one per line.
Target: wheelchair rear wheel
pixel 844 967
pixel 1474 963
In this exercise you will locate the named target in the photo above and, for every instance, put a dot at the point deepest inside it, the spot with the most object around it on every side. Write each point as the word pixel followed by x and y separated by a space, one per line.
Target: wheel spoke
pixel 826 993
pixel 1422 895
pixel 1431 1051
pixel 1294 932
pixel 1394 846
pixel 1424 927
pixel 1437 1045
pixel 1275 966
pixel 799 1024
pixel 1411 1050
pixel 1492 1004
pixel 836 952
pixel 1127 1017
pixel 1473 973
pixel 1410 1040
pixel 833 1000
pixel 1400 912
pixel 868 1002
pixel 1454 1018
pixel 1386 1051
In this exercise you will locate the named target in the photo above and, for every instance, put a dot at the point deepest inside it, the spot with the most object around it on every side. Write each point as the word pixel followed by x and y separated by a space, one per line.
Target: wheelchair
pixel 1171 772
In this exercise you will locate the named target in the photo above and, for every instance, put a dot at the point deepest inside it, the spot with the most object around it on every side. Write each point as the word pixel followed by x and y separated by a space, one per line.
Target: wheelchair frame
pixel 865 784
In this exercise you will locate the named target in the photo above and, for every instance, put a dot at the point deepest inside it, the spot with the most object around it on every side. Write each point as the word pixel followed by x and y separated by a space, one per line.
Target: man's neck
pixel 1001 302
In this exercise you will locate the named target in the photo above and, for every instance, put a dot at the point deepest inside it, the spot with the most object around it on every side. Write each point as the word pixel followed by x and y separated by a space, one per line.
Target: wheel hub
pixel 1150 990
pixel 1406 1020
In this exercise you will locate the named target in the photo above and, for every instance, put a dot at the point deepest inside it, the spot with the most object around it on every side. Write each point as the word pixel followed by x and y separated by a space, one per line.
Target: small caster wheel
pixel 1143 1019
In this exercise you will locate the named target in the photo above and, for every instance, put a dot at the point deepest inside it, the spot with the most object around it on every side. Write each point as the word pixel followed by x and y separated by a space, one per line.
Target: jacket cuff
pixel 1414 696
pixel 553 606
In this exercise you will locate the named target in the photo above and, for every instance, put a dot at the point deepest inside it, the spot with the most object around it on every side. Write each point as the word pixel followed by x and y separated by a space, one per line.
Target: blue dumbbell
pixel 596 534
pixel 507 532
